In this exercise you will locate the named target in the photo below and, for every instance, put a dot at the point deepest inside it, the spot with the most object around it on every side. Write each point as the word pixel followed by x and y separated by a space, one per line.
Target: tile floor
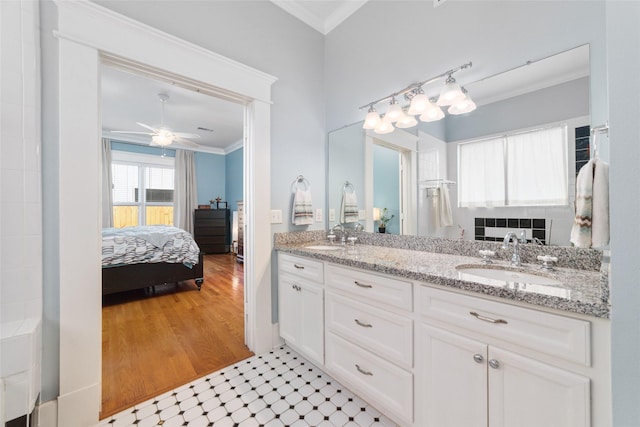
pixel 279 388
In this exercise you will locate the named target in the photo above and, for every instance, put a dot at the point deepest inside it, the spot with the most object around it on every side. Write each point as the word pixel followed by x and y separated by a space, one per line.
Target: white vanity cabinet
pixel 369 338
pixel 466 376
pixel 301 305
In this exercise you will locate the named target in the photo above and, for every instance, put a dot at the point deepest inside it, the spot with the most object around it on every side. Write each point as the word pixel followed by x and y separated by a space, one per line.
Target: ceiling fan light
pixel 418 104
pixel 372 119
pixel 450 93
pixel 162 139
pixel 394 112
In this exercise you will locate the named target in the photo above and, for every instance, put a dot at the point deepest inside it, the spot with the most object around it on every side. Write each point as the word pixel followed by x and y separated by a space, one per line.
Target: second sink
pixel 501 275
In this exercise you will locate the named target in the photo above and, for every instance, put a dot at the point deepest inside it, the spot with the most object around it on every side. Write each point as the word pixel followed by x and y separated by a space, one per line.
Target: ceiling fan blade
pixel 186 135
pixel 147 126
pixel 126 131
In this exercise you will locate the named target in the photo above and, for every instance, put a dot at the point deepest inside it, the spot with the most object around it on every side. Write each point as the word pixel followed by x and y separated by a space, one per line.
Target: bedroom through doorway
pixel 153 342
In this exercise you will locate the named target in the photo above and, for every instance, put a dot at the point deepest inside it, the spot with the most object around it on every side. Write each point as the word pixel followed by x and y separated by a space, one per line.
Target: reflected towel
pixel 591 224
pixel 444 203
pixel 349 208
pixel 302 212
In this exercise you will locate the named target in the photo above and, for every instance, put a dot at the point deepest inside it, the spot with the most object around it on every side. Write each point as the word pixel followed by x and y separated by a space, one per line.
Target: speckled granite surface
pixel 582 290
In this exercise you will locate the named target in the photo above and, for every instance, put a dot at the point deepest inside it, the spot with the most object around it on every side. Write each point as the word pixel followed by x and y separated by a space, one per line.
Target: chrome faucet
pixel 339 228
pixel 512 237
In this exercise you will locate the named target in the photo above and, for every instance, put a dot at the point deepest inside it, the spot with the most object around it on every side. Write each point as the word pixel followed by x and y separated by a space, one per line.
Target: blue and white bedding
pixel 148 244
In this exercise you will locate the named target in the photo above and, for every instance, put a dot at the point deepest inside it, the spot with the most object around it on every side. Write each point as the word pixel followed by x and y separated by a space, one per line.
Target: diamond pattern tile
pixel 276 389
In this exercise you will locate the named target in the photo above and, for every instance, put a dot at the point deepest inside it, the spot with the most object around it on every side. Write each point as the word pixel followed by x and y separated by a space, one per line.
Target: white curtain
pixel 185 191
pixel 538 168
pixel 107 185
pixel 481 174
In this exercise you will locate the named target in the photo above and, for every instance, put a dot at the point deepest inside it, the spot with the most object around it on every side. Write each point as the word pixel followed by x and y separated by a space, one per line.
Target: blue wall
pixel 386 184
pixel 234 177
pixel 210 176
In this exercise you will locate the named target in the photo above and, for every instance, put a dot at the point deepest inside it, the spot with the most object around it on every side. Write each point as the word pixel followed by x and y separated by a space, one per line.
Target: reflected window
pixel 518 169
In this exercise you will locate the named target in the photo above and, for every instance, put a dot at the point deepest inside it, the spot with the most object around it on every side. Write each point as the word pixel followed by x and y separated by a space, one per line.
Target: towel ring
pixel 348 186
pixel 595 131
pixel 300 180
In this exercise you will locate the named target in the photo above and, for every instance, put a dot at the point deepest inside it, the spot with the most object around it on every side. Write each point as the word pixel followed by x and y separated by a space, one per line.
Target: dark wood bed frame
pixel 137 276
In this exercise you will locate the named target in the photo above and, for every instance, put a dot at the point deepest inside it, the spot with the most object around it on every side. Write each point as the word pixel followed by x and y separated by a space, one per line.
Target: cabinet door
pixel 452 387
pixel 527 393
pixel 288 308
pixel 311 338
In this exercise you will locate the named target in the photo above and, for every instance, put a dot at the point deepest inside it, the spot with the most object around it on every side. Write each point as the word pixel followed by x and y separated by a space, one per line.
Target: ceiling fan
pixel 162 135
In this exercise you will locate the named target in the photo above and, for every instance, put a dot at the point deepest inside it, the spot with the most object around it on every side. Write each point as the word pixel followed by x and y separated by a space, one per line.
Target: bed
pixel 146 256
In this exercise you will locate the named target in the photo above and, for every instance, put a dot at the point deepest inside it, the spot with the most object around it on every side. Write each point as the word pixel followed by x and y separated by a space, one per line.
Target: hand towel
pixel 435 197
pixel 349 208
pixel 600 216
pixel 591 225
pixel 445 215
pixel 302 212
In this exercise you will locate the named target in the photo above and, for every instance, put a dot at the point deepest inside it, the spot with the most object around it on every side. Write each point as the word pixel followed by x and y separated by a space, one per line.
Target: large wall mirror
pixel 409 171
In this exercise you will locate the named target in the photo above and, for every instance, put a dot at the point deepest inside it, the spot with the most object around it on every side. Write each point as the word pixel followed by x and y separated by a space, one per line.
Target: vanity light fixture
pixel 372 119
pixel 432 113
pixel 394 112
pixel 451 93
pixel 428 109
pixel 465 106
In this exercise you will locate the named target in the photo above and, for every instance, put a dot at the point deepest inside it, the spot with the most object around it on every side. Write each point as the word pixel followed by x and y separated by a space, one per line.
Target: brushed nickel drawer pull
pixel 299 267
pixel 363 372
pixel 487 319
pixel 364 325
pixel 362 285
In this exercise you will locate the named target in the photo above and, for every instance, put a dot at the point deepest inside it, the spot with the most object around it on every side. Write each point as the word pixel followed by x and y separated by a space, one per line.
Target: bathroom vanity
pixel 428 344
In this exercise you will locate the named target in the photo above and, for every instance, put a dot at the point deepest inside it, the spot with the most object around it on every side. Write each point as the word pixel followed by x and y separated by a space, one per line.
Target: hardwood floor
pixel 152 344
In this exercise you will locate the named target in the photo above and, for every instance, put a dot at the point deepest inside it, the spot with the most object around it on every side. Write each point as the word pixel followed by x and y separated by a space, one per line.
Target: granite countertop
pixel 580 291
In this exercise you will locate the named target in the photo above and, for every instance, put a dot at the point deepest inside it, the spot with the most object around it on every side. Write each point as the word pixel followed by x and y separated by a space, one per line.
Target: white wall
pixel 20 196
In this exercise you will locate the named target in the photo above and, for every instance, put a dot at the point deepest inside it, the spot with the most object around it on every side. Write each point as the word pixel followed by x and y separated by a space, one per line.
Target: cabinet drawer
pixel 301 267
pixel 206 231
pixel 386 334
pixel 559 336
pixel 385 385
pixel 209 240
pixel 377 288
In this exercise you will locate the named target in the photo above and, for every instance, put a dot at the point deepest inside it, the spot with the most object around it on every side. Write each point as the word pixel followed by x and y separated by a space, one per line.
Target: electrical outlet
pixel 332 215
pixel 318 215
pixel 276 216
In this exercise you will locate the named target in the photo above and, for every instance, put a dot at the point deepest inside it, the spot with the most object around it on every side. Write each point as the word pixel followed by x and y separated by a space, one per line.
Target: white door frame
pixel 87 32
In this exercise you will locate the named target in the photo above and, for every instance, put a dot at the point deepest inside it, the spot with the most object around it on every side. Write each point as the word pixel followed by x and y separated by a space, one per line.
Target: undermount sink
pixel 500 275
pixel 324 247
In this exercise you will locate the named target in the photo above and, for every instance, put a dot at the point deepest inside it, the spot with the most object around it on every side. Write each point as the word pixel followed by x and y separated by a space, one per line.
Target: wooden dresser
pixel 211 230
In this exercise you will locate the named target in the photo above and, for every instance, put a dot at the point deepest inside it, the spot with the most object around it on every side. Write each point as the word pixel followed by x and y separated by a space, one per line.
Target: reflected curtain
pixel 107 184
pixel 537 172
pixel 185 190
pixel 481 174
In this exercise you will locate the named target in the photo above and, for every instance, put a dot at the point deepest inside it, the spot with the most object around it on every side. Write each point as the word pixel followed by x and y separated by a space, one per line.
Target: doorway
pixel 152 343
pixel 80 51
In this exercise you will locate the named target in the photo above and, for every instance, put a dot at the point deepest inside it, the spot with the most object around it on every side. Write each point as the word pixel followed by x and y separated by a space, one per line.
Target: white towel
pixel 349 208
pixel 445 215
pixel 302 212
pixel 600 218
pixel 591 224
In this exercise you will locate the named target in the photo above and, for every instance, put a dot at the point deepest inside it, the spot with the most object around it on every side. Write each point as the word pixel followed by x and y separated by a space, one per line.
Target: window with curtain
pixel 142 191
pixel 519 169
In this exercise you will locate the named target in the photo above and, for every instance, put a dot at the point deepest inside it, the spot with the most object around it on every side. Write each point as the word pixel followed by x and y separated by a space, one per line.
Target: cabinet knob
pixel 495 364
pixel 478 358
